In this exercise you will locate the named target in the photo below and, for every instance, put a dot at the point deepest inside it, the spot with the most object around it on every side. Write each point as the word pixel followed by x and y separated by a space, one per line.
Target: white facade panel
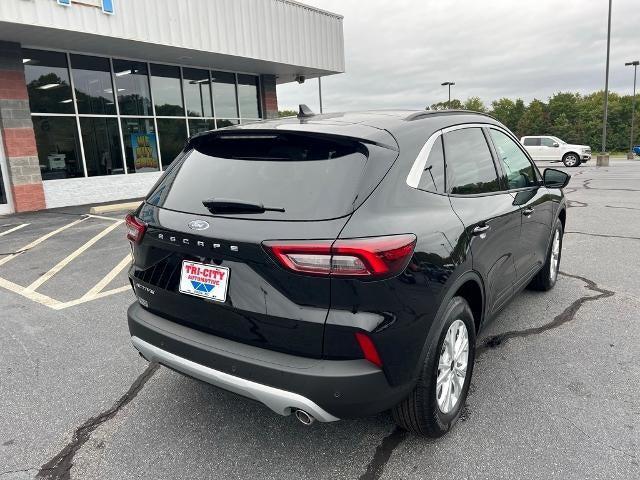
pixel 81 191
pixel 273 32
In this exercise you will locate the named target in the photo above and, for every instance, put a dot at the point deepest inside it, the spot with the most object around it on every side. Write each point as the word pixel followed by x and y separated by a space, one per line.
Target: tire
pixel 546 278
pixel 571 160
pixel 421 412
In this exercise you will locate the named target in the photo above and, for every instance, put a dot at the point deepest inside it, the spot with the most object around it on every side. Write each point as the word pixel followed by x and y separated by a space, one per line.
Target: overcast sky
pixel 398 52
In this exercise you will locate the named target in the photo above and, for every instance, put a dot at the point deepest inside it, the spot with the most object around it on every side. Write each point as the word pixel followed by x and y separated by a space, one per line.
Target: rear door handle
pixel 480 229
pixel 527 211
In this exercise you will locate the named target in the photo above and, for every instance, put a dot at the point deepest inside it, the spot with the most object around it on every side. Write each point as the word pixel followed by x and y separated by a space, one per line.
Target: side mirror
pixel 555 178
pixel 556 144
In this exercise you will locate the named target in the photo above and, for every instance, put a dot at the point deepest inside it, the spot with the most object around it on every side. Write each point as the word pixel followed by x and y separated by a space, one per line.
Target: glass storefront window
pixel 248 96
pixel 92 82
pixel 173 135
pixel 183 97
pixel 199 126
pixel 224 94
pixel 48 82
pixel 140 145
pixel 197 92
pixel 102 150
pixel 132 83
pixel 223 122
pixel 58 147
pixel 165 86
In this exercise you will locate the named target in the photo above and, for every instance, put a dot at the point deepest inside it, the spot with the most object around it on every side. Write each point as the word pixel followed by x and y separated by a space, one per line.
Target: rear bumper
pixel 327 389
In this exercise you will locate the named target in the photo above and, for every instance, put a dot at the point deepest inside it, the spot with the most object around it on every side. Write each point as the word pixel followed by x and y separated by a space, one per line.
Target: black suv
pixel 336 266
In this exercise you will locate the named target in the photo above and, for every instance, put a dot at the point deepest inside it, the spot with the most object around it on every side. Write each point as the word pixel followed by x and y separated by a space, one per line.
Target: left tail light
pixel 372 257
pixel 135 228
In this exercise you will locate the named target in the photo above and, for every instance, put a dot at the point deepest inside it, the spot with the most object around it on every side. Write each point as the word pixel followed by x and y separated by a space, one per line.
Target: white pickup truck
pixel 552 149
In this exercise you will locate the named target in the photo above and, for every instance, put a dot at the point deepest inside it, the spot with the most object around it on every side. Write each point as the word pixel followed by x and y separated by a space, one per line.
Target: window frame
pixel 417 169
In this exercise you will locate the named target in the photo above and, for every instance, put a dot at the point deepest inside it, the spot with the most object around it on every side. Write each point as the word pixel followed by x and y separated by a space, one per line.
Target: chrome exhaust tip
pixel 304 417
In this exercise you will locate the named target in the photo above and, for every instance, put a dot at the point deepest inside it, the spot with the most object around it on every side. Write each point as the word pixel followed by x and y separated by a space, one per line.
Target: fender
pixel 436 325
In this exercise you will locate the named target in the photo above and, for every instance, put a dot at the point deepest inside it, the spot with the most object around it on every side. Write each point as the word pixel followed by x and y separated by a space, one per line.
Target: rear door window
pixel 532 142
pixel 311 177
pixel 470 167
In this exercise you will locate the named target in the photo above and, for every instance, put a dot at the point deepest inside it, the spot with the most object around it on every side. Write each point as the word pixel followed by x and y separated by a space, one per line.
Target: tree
pixel 475 104
pixel 535 120
pixel 455 105
pixel 287 113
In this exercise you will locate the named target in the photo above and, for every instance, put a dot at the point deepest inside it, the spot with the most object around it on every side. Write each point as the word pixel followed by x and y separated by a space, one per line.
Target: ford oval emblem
pixel 198 225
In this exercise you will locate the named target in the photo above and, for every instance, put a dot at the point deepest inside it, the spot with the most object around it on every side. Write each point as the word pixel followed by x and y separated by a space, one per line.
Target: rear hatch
pixel 202 260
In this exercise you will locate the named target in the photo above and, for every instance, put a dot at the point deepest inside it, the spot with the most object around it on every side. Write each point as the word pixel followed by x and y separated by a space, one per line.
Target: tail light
pixel 135 228
pixel 368 348
pixel 374 257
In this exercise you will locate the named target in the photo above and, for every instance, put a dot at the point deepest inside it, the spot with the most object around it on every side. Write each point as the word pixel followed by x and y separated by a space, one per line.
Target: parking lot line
pixel 41 239
pixel 97 288
pixel 64 262
pixel 6 232
pixel 78 301
pixel 33 296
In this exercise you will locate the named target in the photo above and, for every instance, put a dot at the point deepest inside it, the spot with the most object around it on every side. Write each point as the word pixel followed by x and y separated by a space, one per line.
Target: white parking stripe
pixel 78 301
pixel 41 239
pixel 33 296
pixel 64 262
pixel 97 288
pixel 6 232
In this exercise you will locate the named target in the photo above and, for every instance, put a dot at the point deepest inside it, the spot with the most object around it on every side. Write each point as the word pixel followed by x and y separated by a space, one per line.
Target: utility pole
pixel 320 92
pixel 634 64
pixel 606 86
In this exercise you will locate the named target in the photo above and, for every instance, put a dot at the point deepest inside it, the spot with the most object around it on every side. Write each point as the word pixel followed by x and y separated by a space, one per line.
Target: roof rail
pixel 431 113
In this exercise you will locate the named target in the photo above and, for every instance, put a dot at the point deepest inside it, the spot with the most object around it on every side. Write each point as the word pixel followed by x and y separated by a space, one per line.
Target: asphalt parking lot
pixel 555 391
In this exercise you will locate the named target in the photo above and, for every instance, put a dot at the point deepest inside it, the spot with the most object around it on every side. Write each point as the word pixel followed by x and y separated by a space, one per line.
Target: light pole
pixel 633 102
pixel 606 89
pixel 449 84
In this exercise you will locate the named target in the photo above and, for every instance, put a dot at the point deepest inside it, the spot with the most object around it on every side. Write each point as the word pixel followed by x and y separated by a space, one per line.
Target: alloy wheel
pixel 555 256
pixel 452 366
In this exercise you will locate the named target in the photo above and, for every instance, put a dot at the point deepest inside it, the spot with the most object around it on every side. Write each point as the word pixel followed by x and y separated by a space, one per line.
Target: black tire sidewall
pixel 457 309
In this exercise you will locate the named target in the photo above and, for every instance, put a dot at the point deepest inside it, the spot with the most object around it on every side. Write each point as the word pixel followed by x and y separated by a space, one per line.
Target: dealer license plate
pixel 202 280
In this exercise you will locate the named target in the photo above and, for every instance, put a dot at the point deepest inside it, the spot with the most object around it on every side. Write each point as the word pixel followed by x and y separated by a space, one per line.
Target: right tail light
pixel 372 257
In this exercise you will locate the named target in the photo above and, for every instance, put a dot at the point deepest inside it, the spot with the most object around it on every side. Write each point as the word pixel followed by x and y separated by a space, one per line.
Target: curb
pixel 114 207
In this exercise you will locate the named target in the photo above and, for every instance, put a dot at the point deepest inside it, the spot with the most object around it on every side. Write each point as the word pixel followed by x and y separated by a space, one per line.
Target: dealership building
pixel 98 96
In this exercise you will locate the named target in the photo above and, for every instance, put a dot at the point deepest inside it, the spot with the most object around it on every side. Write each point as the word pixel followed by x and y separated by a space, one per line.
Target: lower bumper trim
pixel 280 401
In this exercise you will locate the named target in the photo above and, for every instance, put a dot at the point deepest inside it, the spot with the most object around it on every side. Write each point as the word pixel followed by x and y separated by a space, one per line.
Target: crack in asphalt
pixel 603 235
pixel 22 470
pixel 59 467
pixel 576 204
pixel 564 317
pixel 625 208
pixel 389 443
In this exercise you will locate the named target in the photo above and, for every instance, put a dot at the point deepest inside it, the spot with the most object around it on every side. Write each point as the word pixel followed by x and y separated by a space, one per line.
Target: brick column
pixel 25 181
pixel 269 96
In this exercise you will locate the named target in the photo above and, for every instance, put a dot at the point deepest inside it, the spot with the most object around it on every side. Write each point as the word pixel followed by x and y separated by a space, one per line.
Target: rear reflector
pixel 373 257
pixel 368 348
pixel 135 228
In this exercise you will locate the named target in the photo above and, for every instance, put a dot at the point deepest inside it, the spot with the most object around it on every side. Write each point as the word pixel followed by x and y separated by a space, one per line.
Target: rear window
pixel 310 177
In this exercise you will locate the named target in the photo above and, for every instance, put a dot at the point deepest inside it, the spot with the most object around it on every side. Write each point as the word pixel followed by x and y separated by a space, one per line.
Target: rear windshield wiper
pixel 229 205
